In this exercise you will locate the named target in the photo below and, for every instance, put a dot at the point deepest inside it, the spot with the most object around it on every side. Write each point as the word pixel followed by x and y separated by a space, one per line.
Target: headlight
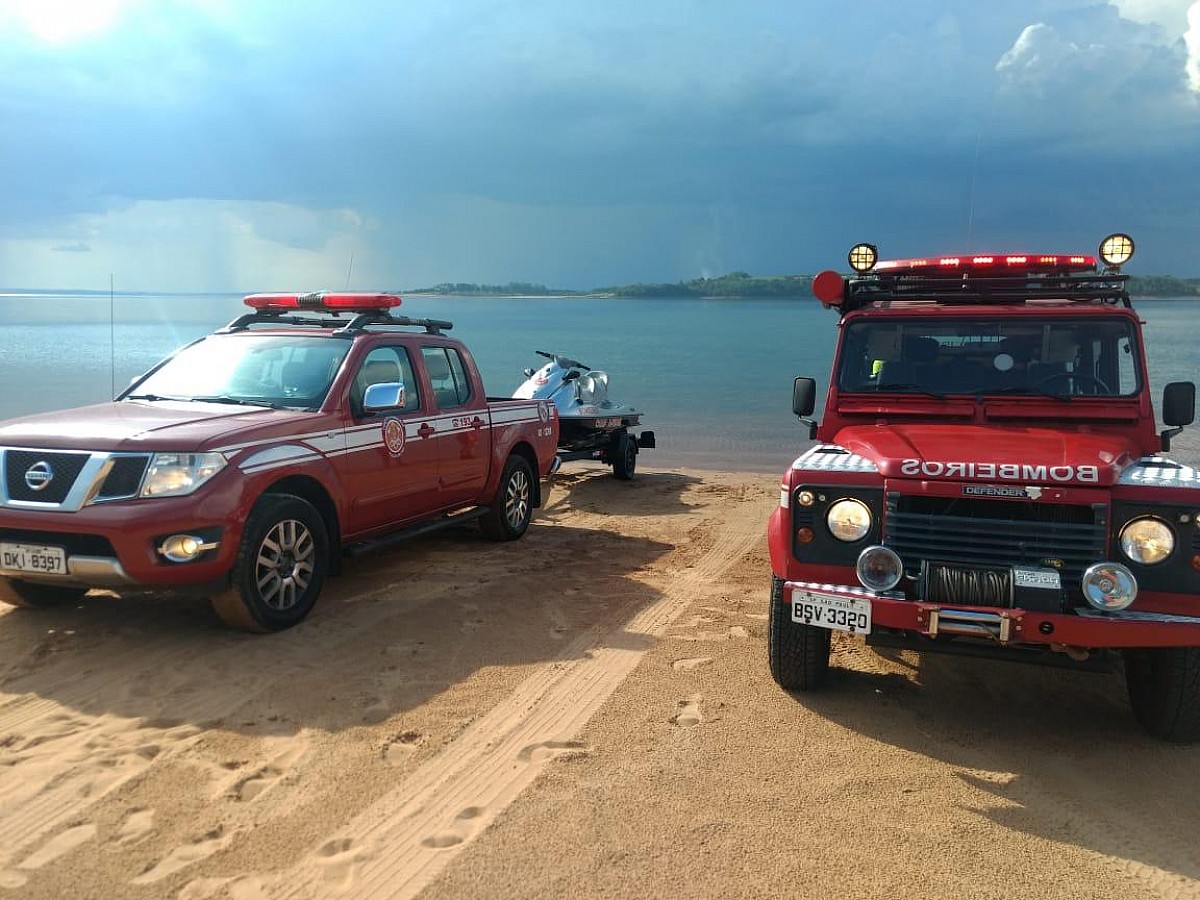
pixel 1147 541
pixel 848 520
pixel 176 474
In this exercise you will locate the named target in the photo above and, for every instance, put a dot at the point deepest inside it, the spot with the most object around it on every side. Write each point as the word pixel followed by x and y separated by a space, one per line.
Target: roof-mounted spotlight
pixel 863 257
pixel 1116 250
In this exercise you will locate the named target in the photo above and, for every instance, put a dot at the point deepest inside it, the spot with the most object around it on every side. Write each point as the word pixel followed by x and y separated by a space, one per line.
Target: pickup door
pixel 391 461
pixel 463 425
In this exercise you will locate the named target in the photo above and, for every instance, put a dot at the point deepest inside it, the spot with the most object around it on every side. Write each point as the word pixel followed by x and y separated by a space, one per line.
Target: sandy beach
pixel 583 713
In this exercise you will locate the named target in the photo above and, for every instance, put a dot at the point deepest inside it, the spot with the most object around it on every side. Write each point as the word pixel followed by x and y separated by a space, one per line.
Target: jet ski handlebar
pixel 564 362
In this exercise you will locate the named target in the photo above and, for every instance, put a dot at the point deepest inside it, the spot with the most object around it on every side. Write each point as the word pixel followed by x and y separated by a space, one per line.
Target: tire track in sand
pixel 402 842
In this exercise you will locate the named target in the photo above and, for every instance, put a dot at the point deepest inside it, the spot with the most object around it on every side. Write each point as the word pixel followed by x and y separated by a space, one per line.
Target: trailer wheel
pixel 512 507
pixel 798 654
pixel 623 452
pixel 280 566
pixel 32 595
pixel 1164 691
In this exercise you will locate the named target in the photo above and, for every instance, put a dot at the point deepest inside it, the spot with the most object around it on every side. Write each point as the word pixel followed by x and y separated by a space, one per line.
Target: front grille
pixel 974 531
pixel 124 478
pixel 65 468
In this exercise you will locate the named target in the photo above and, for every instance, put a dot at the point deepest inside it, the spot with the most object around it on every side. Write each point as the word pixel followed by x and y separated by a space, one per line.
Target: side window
pixel 448 375
pixel 385 365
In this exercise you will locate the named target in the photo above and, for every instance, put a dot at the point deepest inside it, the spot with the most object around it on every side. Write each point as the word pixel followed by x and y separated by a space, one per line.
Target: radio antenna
pixel 974 185
pixel 112 339
pixel 350 270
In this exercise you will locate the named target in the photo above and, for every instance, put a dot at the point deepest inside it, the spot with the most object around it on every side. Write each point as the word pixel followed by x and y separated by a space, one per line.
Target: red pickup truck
pixel 989 480
pixel 244 465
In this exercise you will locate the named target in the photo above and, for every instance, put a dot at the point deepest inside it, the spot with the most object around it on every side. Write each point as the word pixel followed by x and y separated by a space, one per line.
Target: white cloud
pixel 1192 38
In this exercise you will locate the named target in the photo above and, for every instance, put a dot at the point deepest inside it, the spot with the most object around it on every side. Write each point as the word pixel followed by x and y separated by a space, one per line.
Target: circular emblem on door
pixel 38 476
pixel 544 412
pixel 393 436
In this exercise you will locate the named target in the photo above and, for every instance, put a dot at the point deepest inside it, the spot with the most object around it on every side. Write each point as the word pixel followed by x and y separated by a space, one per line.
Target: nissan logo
pixel 38 476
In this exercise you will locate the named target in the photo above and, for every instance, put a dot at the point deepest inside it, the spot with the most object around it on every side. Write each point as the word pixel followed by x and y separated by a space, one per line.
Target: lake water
pixel 713 377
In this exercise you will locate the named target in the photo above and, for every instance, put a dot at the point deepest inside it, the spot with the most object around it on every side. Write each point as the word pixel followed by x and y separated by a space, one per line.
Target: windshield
pixel 267 370
pixel 1060 358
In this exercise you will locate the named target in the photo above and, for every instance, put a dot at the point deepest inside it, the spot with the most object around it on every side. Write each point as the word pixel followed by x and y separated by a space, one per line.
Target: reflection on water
pixel 714 377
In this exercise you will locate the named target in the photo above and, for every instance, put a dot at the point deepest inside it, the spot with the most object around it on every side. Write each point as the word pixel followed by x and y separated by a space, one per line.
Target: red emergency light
pixel 320 301
pixel 1028 262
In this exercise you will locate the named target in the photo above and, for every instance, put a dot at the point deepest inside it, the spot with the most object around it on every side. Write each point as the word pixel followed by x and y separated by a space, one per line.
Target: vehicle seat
pixel 441 379
pixel 918 354
pixel 592 388
pixel 378 371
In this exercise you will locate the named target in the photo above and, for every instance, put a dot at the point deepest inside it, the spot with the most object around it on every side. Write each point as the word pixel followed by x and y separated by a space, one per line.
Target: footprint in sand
pixel 182 857
pixel 464 824
pixel 241 887
pixel 691 662
pixel 689 714
pixel 402 746
pixel 59 845
pixel 137 824
pixel 339 858
pixel 547 749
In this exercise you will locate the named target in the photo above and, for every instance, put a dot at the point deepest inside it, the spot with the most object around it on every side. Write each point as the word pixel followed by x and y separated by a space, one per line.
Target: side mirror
pixel 385 395
pixel 804 396
pixel 804 401
pixel 1178 409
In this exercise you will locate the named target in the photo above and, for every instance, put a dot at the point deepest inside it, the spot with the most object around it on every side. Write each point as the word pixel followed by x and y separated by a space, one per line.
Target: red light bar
pixel 323 302
pixel 1009 261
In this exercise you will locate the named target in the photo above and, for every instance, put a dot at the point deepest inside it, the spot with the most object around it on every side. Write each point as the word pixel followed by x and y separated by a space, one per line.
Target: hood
pixel 136 425
pixel 987 453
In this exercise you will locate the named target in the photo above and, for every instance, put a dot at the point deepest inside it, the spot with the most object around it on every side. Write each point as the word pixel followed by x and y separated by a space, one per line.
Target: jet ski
pixel 591 426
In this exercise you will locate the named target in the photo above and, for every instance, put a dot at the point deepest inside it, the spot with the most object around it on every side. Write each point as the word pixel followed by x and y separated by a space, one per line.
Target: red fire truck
pixel 244 465
pixel 988 479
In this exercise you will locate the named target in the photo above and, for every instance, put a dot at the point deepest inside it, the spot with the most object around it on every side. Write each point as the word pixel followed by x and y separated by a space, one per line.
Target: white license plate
pixel 33 558
pixel 831 611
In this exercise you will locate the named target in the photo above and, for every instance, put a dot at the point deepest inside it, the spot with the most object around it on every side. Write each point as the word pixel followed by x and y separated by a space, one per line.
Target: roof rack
pixel 969 288
pixel 360 323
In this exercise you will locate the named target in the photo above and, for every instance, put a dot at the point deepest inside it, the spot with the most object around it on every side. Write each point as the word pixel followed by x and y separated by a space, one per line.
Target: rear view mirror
pixel 1178 409
pixel 804 396
pixel 385 395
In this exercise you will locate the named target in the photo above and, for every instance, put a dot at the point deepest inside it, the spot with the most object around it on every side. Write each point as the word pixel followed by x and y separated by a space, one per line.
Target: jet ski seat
pixel 592 388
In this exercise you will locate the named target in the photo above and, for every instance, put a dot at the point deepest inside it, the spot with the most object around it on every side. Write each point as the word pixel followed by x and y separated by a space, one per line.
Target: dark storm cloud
pixel 768 126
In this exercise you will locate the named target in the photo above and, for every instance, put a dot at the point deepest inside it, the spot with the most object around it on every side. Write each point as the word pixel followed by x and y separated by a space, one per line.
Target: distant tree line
pixel 741 284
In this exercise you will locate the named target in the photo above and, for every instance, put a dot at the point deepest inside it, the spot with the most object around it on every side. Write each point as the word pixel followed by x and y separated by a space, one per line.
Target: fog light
pixel 879 568
pixel 181 548
pixel 804 535
pixel 1109 586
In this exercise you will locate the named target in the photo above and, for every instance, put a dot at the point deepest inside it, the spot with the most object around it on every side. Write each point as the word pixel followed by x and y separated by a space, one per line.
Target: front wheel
pixel 33 595
pixel 798 654
pixel 623 452
pixel 512 507
pixel 280 566
pixel 1164 691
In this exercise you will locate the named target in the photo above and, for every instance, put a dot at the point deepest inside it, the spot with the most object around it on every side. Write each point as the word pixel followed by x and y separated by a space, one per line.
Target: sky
pixel 243 145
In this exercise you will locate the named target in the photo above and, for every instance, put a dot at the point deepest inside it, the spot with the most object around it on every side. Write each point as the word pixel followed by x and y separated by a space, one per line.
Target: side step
pixel 396 537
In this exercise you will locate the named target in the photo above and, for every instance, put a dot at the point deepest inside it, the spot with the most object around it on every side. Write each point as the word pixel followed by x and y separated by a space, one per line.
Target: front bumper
pixel 1082 627
pixel 115 545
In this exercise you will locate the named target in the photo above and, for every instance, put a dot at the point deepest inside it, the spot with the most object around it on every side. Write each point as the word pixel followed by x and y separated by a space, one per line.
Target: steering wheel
pixel 1075 377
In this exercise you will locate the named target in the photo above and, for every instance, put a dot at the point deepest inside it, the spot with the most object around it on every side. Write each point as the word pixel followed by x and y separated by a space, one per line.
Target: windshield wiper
pixel 237 401
pixel 150 397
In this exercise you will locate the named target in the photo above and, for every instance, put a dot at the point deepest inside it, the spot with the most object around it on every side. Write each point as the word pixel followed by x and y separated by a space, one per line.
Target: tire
pixel 798 654
pixel 33 595
pixel 1164 691
pixel 280 566
pixel 623 452
pixel 512 507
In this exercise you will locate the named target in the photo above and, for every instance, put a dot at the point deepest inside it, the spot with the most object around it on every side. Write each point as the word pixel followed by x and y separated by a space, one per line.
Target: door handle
pixel 425 430
pixel 477 423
